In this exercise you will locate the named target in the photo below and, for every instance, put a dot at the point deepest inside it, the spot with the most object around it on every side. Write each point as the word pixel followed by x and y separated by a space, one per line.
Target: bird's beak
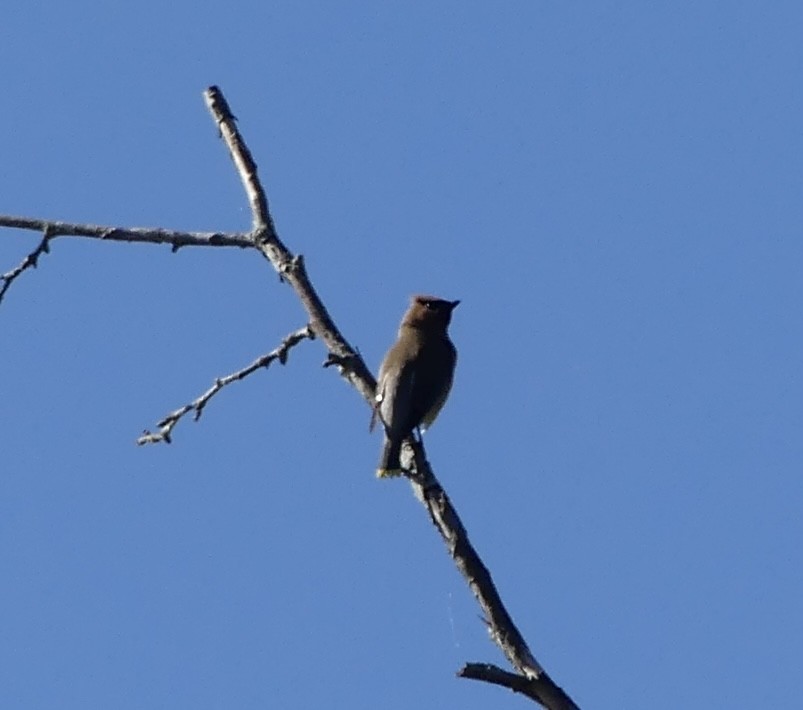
pixel 455 304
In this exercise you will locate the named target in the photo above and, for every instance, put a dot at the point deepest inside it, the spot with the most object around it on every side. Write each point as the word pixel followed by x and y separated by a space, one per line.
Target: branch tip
pixel 243 160
pixel 29 262
pixel 198 405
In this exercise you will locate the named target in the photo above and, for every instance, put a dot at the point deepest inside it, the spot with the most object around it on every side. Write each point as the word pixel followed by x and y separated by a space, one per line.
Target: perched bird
pixel 415 377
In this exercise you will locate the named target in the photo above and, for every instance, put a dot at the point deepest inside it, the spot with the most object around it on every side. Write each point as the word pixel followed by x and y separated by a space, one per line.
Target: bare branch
pixel 135 234
pixel 426 487
pixel 517 683
pixel 243 160
pixel 28 262
pixel 531 680
pixel 495 675
pixel 290 267
pixel 502 629
pixel 197 405
pixel 51 230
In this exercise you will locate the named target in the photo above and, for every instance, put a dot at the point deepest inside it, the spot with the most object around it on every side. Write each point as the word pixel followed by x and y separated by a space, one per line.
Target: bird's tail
pixel 389 463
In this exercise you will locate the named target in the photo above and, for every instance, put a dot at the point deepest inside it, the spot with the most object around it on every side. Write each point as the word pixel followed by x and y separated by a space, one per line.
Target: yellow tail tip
pixel 388 472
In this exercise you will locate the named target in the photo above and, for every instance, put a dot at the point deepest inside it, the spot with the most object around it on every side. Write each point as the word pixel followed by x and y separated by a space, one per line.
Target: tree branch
pixel 531 680
pixel 243 161
pixel 501 628
pixel 28 262
pixel 145 235
pixel 290 267
pixel 494 674
pixel 425 486
pixel 517 683
pixel 197 405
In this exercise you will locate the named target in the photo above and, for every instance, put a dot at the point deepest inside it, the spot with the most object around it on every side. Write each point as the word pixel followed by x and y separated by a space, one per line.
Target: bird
pixel 415 377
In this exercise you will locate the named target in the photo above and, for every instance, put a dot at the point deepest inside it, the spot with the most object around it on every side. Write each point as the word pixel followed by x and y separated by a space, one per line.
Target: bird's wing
pixel 432 387
pixel 394 401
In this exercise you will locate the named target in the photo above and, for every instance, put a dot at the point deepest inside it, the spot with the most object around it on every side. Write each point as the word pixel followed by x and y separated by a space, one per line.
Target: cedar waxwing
pixel 415 377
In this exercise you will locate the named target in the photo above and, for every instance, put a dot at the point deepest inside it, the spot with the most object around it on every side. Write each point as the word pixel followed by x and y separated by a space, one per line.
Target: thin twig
pixel 197 405
pixel 244 162
pixel 147 235
pixel 28 262
pixel 489 673
pixel 290 267
pixel 52 229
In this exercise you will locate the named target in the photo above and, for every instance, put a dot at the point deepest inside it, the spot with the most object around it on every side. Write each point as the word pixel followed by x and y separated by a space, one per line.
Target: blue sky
pixel 611 189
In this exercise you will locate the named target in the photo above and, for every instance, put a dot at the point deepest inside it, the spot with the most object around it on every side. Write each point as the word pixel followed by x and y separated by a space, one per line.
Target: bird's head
pixel 429 312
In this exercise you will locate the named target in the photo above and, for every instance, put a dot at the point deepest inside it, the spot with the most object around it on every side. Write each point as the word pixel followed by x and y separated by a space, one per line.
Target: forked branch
pixel 144 235
pixel 530 678
pixel 426 487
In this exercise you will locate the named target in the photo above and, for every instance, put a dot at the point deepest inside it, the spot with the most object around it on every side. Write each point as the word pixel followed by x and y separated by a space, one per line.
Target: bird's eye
pixel 430 305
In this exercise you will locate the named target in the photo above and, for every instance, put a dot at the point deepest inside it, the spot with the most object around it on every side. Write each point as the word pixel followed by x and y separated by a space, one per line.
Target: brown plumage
pixel 415 376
